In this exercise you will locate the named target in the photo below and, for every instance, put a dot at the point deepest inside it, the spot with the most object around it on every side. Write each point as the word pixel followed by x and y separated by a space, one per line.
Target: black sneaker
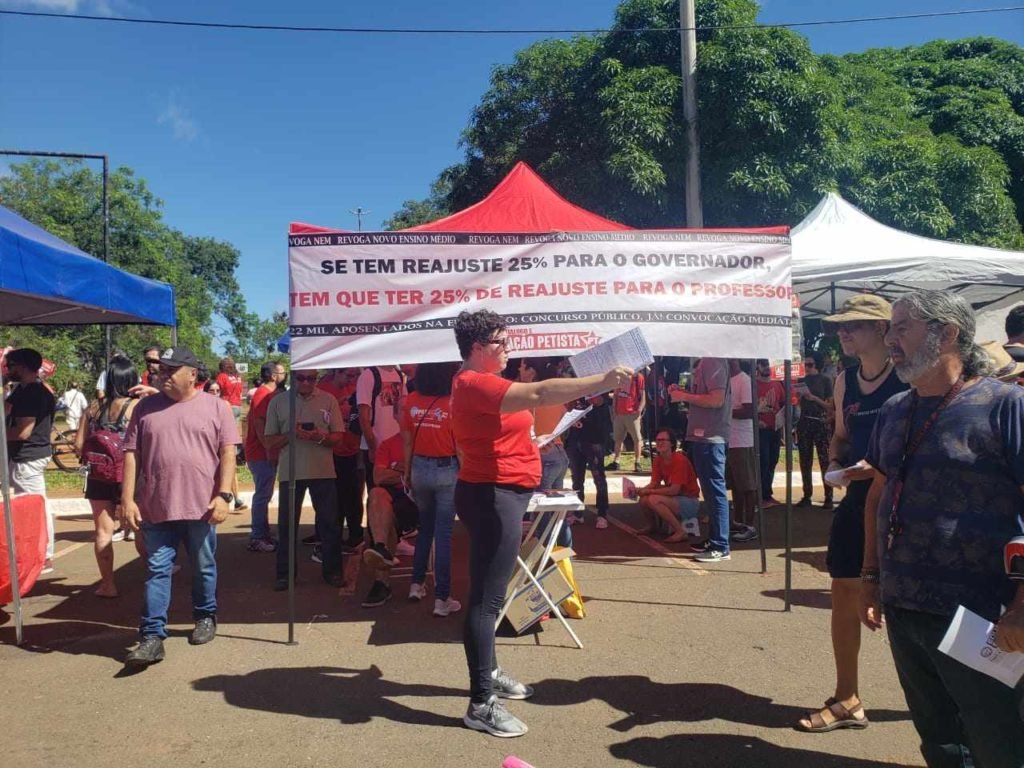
pixel 205 631
pixel 612 466
pixel 281 584
pixel 313 539
pixel 149 651
pixel 806 501
pixel 492 717
pixel 701 547
pixel 378 556
pixel 827 506
pixel 318 555
pixel 505 686
pixel 379 594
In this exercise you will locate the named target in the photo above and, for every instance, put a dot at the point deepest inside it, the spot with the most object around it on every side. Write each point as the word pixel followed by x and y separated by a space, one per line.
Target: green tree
pixel 66 199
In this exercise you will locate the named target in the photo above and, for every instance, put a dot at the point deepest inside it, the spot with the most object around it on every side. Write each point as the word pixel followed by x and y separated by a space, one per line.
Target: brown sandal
pixel 843 718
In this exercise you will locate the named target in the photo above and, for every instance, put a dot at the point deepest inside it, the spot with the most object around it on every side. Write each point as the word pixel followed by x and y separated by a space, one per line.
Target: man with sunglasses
pixel 947 497
pixel 151 357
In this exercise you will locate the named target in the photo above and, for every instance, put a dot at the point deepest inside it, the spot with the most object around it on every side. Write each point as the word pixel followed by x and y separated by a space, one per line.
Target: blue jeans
pixel 953 707
pixel 554 463
pixel 581 457
pixel 325 506
pixel 709 463
pixel 433 487
pixel 162 539
pixel 263 473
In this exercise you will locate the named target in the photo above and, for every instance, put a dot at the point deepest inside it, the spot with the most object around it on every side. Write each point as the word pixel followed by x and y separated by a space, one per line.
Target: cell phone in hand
pixel 309 426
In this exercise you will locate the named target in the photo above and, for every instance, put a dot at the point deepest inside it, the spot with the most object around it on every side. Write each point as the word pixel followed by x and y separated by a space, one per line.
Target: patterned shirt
pixel 961 501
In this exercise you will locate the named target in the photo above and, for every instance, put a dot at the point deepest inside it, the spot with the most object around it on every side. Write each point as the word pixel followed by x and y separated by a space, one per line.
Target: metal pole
pixel 292 520
pixel 12 550
pixel 789 483
pixel 106 249
pixel 756 426
pixel 688 45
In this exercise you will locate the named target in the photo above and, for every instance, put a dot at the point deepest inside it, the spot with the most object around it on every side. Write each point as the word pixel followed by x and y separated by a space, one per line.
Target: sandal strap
pixel 842 713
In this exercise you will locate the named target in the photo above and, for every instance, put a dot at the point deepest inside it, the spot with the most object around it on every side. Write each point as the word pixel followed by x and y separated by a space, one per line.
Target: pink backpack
pixel 103 449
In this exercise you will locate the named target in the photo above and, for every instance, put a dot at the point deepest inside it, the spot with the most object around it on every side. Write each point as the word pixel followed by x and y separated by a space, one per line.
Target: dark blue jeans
pixel 583 456
pixel 325 506
pixel 771 448
pixel 162 540
pixel 433 486
pixel 709 463
pixel 953 707
pixel 263 473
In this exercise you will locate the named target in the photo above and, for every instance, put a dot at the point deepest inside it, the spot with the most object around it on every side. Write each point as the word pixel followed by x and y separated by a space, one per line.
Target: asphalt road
pixel 683 665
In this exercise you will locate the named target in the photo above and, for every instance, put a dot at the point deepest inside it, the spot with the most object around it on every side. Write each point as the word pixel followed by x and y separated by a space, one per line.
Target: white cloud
pixel 87 7
pixel 177 115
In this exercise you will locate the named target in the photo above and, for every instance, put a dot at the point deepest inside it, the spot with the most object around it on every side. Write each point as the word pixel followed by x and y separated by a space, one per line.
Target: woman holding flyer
pixel 500 467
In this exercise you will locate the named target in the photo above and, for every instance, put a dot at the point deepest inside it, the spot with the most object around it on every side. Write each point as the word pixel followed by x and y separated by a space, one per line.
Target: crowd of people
pixel 917 428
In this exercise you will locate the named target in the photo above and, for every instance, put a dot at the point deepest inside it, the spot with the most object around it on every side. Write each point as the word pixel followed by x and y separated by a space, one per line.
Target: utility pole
pixel 688 45
pixel 359 213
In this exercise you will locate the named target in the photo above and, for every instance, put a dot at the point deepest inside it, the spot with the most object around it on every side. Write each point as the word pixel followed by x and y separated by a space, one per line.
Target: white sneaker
pixel 118 535
pixel 601 522
pixel 443 607
pixel 404 549
pixel 417 592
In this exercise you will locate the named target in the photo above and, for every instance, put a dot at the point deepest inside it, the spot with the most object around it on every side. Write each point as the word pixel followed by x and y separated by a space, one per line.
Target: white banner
pixel 375 298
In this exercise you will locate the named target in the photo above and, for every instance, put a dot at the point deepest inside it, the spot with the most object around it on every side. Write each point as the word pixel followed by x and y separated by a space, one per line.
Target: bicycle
pixel 62 443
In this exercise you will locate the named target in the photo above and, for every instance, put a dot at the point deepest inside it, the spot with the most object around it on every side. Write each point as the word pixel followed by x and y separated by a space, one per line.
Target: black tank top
pixel 860 412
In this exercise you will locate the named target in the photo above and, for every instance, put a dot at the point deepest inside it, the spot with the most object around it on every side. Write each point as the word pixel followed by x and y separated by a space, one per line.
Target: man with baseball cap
pixel 179 463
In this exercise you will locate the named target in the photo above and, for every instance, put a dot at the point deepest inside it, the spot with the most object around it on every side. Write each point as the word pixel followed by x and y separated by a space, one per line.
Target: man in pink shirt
pixel 178 466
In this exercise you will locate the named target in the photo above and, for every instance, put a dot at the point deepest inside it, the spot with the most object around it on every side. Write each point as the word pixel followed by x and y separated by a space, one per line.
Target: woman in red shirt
pixel 231 384
pixel 499 468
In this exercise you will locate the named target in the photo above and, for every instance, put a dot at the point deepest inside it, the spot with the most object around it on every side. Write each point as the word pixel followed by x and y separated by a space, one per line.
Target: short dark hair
pixel 545 367
pixel 1015 322
pixel 435 379
pixel 267 371
pixel 476 328
pixel 152 348
pixel 818 358
pixel 121 377
pixel 671 436
pixel 227 365
pixel 202 373
pixel 27 357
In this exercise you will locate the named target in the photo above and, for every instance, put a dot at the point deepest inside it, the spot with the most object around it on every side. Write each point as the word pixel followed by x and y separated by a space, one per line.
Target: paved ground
pixel 683 665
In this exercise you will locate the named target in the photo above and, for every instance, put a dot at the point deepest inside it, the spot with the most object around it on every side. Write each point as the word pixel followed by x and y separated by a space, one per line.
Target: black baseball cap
pixel 176 357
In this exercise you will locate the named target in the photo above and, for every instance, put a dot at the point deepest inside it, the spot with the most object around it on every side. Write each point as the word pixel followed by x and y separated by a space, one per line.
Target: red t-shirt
pixel 496 447
pixel 429 420
pixel 771 396
pixel 627 401
pixel 254 449
pixel 230 388
pixel 680 472
pixel 390 454
pixel 349 445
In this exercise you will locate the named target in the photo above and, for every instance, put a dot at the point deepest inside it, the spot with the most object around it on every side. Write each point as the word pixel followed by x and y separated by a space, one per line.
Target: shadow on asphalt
pixel 336 693
pixel 710 750
pixel 645 702
pixel 806 598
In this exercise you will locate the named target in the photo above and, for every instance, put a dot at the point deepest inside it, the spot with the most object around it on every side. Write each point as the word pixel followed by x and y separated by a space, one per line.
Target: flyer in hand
pixel 629 349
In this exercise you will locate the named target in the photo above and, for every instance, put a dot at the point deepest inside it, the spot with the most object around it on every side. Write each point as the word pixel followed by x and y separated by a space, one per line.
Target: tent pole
pixel 106 247
pixel 755 426
pixel 12 550
pixel 832 292
pixel 293 513
pixel 788 437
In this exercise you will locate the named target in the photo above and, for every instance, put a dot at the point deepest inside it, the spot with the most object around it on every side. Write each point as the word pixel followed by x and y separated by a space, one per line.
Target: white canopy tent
pixel 838 251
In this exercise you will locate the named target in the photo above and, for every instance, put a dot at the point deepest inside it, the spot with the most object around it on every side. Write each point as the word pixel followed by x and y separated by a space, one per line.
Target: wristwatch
pixel 228 496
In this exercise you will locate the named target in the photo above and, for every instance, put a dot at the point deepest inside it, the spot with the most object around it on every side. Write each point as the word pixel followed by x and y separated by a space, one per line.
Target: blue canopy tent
pixel 45 281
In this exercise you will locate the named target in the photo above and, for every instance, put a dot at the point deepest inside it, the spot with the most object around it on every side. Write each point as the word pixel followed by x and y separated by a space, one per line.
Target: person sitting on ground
pixel 390 514
pixel 673 495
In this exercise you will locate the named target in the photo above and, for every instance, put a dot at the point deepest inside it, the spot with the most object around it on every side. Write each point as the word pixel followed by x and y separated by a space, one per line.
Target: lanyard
pixel 910 445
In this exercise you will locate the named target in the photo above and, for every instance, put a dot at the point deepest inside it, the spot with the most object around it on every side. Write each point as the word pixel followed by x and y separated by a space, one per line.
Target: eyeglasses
pixel 503 343
pixel 300 377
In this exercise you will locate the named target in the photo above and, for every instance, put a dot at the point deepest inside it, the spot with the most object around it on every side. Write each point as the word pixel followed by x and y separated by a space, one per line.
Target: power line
pixel 481 31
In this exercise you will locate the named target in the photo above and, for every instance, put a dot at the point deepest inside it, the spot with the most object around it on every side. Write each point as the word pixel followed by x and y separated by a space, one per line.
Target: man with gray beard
pixel 946 498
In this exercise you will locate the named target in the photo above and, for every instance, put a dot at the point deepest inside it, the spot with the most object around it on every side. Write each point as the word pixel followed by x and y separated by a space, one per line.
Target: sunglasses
pixel 152 362
pixel 503 343
pixel 300 377
pixel 852 326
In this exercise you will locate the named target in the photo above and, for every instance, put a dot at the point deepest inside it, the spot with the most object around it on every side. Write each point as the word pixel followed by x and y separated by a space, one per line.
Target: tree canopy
pixel 66 199
pixel 929 139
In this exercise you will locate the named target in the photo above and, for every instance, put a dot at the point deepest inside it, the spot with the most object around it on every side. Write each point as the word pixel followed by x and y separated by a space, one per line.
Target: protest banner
pixel 372 298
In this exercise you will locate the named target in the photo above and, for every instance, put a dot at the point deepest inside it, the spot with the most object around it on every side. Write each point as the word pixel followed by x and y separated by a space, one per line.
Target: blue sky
pixel 241 132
